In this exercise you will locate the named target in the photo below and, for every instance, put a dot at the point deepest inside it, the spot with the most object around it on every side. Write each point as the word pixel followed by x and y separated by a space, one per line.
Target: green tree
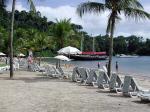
pixel 61 30
pixel 130 8
pixel 120 45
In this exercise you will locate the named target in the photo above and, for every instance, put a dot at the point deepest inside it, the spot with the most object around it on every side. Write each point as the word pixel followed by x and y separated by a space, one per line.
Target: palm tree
pixel 62 29
pixel 130 8
pixel 12 33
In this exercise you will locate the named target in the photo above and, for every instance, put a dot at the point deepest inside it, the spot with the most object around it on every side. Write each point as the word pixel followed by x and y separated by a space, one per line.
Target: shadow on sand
pixel 141 102
pixel 38 78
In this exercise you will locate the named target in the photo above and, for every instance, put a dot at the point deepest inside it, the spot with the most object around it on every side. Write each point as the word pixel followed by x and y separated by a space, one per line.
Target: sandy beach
pixel 34 92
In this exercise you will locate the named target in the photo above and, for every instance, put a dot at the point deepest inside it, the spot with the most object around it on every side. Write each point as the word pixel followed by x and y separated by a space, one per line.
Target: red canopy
pixel 96 53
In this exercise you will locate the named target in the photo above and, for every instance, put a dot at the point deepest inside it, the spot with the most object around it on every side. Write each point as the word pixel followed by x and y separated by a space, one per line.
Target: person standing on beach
pixel 98 64
pixel 116 66
pixel 30 61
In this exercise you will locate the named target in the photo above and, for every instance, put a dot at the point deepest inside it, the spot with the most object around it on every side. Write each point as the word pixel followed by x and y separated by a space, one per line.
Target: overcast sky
pixel 93 24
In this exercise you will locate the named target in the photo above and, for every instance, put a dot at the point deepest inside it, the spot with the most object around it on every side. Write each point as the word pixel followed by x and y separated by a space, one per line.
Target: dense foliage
pixel 31 31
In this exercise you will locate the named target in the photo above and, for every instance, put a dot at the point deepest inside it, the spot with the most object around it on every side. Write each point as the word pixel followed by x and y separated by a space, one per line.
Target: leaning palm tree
pixel 130 8
pixel 12 32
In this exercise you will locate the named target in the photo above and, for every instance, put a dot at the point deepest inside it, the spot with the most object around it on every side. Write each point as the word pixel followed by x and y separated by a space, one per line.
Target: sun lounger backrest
pixel 83 73
pixel 31 67
pixel 94 72
pixel 119 81
pixel 105 69
pixel 75 74
pixel 49 70
pixel 127 83
pixel 92 77
pixel 100 79
pixel 55 70
pixel 134 85
pixel 107 79
pixel 60 70
pixel 113 79
pixel 46 68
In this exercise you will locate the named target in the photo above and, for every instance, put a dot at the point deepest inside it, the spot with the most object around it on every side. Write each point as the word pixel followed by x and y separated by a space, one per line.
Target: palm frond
pixel 32 7
pixel 3 3
pixel 131 3
pixel 108 25
pixel 136 14
pixel 90 7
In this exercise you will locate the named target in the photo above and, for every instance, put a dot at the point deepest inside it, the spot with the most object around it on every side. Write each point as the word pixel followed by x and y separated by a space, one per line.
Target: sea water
pixel 133 66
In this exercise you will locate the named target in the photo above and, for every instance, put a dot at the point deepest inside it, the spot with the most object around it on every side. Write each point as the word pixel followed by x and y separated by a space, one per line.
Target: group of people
pixel 116 66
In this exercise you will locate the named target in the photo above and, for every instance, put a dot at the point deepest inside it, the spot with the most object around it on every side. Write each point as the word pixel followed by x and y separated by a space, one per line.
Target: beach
pixel 34 92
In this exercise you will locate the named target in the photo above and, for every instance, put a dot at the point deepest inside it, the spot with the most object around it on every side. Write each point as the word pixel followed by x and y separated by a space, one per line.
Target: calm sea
pixel 136 66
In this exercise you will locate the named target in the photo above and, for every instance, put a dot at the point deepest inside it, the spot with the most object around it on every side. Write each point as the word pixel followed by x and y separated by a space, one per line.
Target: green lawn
pixel 1 65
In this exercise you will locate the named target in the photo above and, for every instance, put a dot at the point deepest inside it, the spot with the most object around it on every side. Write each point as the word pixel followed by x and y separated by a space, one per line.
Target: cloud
pixel 19 6
pixel 93 24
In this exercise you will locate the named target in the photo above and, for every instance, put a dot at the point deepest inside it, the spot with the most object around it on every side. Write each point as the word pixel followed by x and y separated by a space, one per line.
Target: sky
pixel 93 24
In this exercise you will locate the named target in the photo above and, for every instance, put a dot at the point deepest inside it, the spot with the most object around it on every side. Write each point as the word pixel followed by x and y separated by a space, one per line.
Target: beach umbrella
pixel 62 57
pixel 69 50
pixel 21 54
pixel 2 54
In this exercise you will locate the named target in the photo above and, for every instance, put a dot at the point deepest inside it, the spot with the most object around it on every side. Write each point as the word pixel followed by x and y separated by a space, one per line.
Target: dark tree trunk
pixel 11 39
pixel 111 45
pixel 61 42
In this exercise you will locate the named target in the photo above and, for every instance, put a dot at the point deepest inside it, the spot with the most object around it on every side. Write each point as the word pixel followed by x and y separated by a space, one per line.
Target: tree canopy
pixel 31 31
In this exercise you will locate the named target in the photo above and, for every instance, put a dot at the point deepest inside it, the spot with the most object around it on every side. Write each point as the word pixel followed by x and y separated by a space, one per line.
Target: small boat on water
pixel 126 56
pixel 89 56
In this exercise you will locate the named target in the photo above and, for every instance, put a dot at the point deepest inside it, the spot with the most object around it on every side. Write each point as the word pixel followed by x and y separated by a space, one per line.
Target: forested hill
pixel 32 31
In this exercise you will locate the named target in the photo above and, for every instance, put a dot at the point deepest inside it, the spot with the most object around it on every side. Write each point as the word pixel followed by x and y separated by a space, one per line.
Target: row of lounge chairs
pixel 7 67
pixel 99 78
pixel 48 70
pixel 94 77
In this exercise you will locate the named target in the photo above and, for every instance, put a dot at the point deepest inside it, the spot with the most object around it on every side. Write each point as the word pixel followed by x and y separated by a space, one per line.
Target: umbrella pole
pixel 59 63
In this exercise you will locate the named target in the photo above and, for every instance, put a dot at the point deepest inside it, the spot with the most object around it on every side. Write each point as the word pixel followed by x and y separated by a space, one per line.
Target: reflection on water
pixel 137 66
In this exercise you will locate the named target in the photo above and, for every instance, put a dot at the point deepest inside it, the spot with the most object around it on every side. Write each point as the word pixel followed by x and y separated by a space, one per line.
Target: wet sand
pixel 34 92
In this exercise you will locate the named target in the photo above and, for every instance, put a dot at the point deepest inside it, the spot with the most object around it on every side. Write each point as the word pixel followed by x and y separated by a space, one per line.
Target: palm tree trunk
pixel 111 46
pixel 11 39
pixel 61 42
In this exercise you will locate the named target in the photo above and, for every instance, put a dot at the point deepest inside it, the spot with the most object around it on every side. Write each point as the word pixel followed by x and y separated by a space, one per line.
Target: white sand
pixel 33 92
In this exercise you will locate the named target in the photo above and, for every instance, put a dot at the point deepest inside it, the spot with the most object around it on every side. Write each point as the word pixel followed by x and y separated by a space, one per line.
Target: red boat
pixel 89 56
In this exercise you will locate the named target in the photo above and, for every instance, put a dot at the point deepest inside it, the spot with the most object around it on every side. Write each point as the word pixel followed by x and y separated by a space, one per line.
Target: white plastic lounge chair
pixel 39 68
pixel 23 63
pixel 82 74
pixel 92 76
pixel 35 67
pixel 102 80
pixel 51 72
pixel 144 96
pixel 57 73
pixel 105 69
pixel 130 87
pixel 65 74
pixel 16 65
pixel 32 68
pixel 1 70
pixel 60 70
pixel 115 82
